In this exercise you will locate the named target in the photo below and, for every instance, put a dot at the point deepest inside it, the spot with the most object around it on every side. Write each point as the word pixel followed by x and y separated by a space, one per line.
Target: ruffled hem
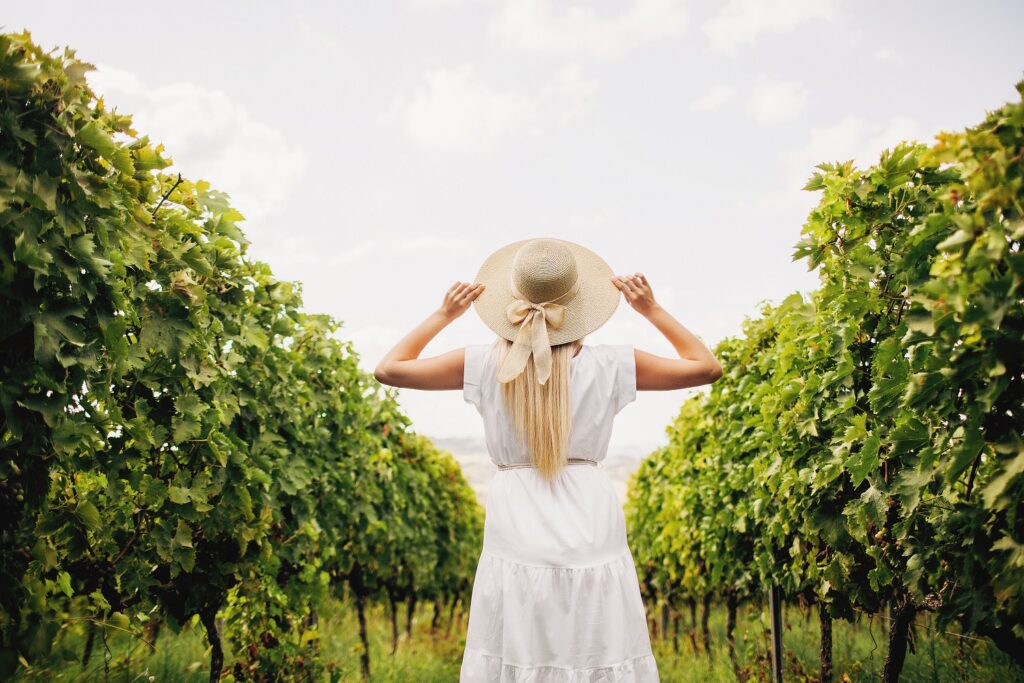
pixel 551 624
pixel 479 666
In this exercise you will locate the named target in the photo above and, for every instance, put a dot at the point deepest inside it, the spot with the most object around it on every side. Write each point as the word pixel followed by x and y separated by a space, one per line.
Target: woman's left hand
pixel 459 297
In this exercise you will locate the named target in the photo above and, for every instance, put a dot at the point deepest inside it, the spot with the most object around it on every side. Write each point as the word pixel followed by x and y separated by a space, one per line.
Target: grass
pixel 858 653
pixel 185 656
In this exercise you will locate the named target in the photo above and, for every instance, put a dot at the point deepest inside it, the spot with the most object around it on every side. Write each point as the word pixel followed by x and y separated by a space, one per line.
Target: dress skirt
pixel 556 597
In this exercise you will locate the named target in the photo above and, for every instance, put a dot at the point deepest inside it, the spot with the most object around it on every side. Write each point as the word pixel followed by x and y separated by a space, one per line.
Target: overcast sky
pixel 381 150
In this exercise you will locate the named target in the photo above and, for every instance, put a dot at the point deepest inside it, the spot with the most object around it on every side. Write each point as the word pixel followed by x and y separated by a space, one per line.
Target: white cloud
pixel 209 136
pixel 289 253
pixel 776 101
pixel 354 255
pixel 571 92
pixel 433 242
pixel 888 55
pixel 432 4
pixel 315 37
pixel 715 99
pixel 536 26
pixel 458 110
pixel 851 138
pixel 741 21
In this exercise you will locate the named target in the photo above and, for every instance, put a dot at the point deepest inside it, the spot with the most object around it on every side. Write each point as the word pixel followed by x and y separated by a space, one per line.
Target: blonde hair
pixel 541 413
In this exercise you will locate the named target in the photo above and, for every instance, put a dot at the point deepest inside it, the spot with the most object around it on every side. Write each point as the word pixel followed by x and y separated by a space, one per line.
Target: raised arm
pixel 402 366
pixel 696 364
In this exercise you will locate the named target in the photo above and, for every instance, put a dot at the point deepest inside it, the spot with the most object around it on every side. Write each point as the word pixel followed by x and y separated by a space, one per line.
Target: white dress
pixel 556 597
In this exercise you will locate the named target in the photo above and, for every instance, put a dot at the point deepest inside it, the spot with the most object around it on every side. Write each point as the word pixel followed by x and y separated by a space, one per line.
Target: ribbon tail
pixel 515 361
pixel 541 349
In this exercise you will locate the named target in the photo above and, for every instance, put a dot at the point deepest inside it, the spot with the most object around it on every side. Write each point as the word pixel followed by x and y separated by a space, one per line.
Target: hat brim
pixel 591 308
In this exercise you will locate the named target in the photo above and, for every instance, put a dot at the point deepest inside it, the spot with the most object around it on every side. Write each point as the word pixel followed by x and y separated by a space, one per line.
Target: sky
pixel 381 151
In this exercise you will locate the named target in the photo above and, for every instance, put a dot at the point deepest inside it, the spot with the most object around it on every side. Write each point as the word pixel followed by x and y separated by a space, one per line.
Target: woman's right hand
pixel 637 291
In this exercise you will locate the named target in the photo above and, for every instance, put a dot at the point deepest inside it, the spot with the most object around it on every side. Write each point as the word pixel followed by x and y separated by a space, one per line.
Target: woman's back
pixel 602 380
pixel 556 595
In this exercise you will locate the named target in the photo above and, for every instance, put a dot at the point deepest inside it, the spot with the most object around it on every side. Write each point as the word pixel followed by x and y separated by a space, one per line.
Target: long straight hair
pixel 541 413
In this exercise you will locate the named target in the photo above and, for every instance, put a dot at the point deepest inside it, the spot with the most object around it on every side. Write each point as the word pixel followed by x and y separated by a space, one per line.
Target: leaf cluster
pixel 865 441
pixel 177 436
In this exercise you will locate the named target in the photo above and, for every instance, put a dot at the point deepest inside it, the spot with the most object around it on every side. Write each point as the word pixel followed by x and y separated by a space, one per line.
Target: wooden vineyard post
pixel 775 610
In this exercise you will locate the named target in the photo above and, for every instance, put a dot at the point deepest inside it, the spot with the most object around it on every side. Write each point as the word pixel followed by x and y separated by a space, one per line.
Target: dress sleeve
pixel 471 374
pixel 625 375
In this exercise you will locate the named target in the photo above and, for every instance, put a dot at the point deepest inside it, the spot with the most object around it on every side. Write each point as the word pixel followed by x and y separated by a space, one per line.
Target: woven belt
pixel 571 461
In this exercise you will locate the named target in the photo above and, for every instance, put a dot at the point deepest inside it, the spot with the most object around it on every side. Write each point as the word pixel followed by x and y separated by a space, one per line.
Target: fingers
pixel 638 282
pixel 626 288
pixel 634 287
pixel 628 282
pixel 463 291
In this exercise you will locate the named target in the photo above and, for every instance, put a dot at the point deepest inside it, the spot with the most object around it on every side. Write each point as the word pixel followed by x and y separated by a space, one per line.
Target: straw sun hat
pixel 541 292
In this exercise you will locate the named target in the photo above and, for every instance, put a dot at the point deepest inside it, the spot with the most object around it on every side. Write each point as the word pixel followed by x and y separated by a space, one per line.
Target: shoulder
pixel 614 359
pixel 476 353
pixel 613 353
pixel 621 361
pixel 479 356
pixel 616 363
pixel 475 367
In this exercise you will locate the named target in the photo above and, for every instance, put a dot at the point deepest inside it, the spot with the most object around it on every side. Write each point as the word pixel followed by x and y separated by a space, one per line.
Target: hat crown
pixel 543 270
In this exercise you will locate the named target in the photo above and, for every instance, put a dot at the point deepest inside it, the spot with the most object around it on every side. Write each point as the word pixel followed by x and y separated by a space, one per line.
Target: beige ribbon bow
pixel 532 338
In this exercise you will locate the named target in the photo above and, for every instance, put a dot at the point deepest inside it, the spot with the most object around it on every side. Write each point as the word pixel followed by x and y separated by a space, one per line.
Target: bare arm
pixel 402 366
pixel 696 364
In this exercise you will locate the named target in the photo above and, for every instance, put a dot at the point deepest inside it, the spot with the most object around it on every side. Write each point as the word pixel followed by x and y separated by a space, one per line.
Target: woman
pixel 556 595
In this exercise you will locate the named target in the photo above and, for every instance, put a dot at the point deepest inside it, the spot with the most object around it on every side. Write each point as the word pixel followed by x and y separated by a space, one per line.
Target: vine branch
pixel 164 198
